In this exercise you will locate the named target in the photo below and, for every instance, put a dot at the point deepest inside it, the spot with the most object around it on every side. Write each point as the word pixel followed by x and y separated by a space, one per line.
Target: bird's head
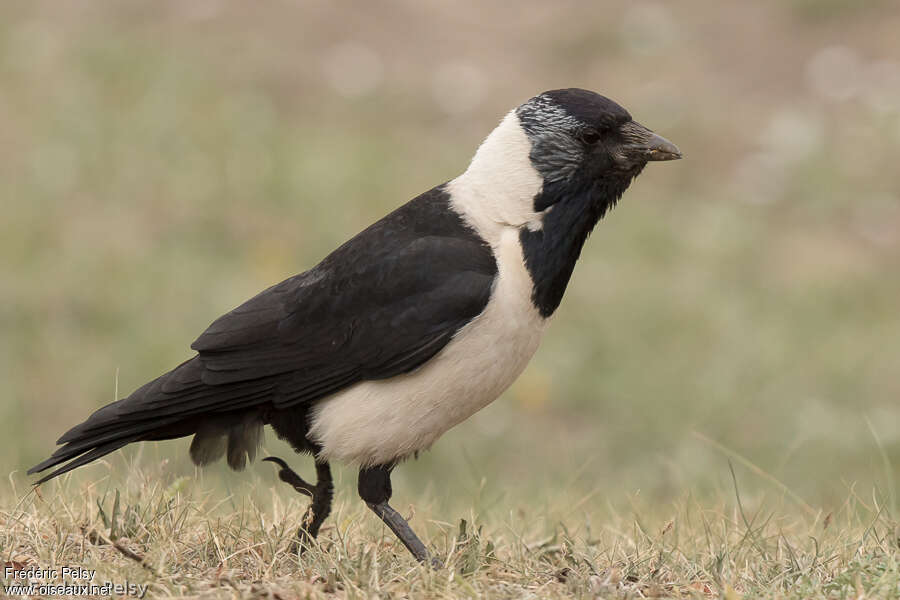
pixel 577 133
pixel 563 145
pixel 551 170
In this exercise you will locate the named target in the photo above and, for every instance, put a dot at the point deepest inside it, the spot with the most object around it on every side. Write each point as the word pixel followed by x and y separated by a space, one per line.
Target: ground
pixel 185 541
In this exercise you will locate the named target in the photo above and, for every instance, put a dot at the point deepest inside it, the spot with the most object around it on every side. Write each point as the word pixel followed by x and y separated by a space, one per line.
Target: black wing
pixel 380 305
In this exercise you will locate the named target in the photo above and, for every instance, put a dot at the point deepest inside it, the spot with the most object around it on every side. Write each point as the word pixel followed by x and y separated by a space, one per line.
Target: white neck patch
pixel 497 191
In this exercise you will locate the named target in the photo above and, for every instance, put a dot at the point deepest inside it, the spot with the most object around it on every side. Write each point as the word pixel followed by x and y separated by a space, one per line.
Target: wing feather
pixel 381 305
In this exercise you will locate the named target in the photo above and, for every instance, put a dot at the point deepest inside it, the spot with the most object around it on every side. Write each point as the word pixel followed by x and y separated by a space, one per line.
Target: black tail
pixel 173 405
pixel 131 419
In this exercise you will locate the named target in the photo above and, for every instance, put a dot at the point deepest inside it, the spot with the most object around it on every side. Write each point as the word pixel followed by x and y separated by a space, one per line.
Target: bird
pixel 404 331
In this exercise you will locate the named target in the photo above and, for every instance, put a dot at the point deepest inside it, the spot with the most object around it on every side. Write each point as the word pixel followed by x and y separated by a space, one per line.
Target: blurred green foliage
pixel 161 163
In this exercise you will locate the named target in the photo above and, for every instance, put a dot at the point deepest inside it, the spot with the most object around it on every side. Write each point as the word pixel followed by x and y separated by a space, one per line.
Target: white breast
pixel 376 422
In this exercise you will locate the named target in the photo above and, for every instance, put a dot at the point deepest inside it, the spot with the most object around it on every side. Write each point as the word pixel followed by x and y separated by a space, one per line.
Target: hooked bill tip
pixel 659 148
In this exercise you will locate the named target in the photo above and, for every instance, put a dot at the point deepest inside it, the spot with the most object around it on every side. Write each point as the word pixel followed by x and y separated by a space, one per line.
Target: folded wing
pixel 380 305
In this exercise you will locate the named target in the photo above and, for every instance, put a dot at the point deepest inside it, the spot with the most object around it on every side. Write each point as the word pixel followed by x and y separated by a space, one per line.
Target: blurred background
pixel 162 162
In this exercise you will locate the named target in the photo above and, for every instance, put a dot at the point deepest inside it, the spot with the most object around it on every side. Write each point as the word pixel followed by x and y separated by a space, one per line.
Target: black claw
pixel 304 541
pixel 277 461
pixel 287 475
pixel 319 508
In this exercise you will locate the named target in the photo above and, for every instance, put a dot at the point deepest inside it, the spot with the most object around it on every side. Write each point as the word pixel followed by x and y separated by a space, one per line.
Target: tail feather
pixel 172 405
pixel 94 454
pixel 80 446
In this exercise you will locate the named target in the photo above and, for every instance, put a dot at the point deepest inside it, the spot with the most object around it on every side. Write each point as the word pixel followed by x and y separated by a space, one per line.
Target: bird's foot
pixel 289 476
pixel 319 508
pixel 304 540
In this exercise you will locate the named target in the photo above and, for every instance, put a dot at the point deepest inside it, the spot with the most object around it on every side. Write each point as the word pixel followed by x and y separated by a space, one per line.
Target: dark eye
pixel 590 136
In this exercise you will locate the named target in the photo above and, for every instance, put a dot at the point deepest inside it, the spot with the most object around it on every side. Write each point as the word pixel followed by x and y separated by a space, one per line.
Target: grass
pixel 184 539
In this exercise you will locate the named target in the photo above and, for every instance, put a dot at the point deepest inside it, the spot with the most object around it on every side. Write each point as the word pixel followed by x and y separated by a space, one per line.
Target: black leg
pixel 320 507
pixel 321 494
pixel 375 488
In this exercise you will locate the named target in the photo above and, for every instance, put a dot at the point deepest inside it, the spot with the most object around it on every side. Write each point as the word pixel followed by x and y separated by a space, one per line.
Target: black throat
pixel 571 209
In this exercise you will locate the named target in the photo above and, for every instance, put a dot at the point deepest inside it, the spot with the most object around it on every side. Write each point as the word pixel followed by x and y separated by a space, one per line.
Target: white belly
pixel 376 422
